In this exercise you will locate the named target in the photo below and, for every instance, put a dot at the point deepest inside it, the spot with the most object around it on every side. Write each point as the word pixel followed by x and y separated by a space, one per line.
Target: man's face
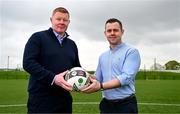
pixel 60 22
pixel 113 33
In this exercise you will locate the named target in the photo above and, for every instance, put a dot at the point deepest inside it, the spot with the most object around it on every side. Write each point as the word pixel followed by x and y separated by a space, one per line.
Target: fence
pixel 13 74
pixel 141 75
pixel 158 75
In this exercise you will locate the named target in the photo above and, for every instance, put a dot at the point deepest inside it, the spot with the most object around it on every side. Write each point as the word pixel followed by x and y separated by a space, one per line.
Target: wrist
pixel 101 87
pixel 53 81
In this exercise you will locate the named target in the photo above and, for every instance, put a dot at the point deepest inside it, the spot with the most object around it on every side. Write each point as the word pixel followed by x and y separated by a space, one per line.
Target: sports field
pixel 154 96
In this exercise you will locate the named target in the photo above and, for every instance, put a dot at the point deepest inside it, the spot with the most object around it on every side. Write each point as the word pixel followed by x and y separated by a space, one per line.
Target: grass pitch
pixel 154 96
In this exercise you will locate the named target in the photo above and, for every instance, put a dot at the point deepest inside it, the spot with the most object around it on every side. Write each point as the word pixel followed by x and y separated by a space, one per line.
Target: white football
pixel 78 78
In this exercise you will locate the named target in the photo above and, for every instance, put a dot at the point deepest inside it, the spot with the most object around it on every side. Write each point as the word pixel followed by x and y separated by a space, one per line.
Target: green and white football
pixel 78 78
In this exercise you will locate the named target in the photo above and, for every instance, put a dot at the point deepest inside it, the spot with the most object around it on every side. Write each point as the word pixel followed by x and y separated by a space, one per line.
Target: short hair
pixel 61 9
pixel 113 20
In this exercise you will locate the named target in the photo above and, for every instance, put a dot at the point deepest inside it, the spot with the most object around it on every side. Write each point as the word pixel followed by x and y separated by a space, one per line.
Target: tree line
pixel 172 65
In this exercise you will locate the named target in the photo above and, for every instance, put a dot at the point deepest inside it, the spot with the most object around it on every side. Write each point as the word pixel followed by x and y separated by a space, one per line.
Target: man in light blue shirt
pixel 116 72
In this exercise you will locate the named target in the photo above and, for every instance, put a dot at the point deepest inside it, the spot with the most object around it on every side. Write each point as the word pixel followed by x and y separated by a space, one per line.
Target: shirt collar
pixel 117 47
pixel 59 36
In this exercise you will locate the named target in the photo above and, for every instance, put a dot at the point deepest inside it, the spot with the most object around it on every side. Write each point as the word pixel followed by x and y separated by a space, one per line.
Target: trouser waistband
pixel 120 100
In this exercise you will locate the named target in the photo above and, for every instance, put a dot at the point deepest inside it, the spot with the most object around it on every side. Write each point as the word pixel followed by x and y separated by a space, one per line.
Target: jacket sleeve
pixel 77 58
pixel 31 59
pixel 77 62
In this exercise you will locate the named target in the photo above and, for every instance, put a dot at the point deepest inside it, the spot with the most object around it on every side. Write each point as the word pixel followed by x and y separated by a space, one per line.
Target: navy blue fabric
pixel 126 107
pixel 44 57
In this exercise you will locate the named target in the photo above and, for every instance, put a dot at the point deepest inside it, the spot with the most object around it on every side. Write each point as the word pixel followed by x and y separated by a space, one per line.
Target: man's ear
pixel 69 21
pixel 105 32
pixel 51 19
pixel 122 31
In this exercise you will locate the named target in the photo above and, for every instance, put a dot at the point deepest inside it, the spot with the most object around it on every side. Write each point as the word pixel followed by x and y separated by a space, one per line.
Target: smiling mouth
pixel 62 27
pixel 112 37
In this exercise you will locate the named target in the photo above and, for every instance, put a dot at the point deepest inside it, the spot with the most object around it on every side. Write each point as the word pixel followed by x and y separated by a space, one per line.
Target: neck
pixel 114 45
pixel 61 34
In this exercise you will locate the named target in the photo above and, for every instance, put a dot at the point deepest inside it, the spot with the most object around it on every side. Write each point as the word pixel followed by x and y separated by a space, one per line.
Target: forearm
pixel 37 70
pixel 115 83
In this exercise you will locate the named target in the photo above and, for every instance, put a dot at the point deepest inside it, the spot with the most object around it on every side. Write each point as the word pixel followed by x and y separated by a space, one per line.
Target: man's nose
pixel 61 21
pixel 112 32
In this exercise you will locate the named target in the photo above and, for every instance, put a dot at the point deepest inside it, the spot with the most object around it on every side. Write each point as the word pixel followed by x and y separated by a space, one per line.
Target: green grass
pixel 13 92
pixel 147 91
pixel 163 91
pixel 158 91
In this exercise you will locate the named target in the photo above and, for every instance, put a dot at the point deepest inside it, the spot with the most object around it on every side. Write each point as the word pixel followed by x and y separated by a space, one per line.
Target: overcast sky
pixel 152 26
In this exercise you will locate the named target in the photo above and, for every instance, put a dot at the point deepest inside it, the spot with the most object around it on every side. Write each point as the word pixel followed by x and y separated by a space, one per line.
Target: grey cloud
pixel 161 38
pixel 23 11
pixel 138 17
pixel 89 16
pixel 148 22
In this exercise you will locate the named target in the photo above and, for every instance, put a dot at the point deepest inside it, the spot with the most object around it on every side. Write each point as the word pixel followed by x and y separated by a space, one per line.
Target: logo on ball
pixel 78 78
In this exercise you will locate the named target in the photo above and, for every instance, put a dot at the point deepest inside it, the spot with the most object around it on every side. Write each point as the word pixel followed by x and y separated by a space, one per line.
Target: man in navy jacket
pixel 48 55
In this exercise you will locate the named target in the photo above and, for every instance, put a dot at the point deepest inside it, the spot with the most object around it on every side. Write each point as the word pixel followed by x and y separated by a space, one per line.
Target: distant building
pixel 157 66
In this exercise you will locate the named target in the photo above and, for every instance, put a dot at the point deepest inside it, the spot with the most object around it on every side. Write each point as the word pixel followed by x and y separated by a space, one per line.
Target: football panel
pixel 78 82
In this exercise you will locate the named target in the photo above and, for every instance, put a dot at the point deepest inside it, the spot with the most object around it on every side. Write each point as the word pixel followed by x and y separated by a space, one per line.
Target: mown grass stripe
pixel 91 103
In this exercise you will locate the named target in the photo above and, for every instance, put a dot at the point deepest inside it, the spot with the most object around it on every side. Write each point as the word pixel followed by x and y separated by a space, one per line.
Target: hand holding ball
pixel 78 78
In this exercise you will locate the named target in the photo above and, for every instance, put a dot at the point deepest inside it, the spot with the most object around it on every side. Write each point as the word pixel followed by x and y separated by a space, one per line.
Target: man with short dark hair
pixel 115 73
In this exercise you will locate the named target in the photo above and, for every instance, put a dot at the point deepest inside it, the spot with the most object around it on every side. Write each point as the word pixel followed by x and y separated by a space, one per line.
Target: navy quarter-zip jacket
pixel 44 57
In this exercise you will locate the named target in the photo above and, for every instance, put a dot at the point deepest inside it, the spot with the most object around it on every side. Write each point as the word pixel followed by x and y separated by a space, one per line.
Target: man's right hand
pixel 59 80
pixel 94 87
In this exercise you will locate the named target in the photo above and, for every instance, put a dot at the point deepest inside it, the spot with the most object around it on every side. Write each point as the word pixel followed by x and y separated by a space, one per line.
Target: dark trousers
pixel 49 105
pixel 126 106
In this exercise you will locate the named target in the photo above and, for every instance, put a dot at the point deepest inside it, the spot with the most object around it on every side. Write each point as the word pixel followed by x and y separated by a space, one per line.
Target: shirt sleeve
pixel 53 80
pixel 130 67
pixel 98 72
